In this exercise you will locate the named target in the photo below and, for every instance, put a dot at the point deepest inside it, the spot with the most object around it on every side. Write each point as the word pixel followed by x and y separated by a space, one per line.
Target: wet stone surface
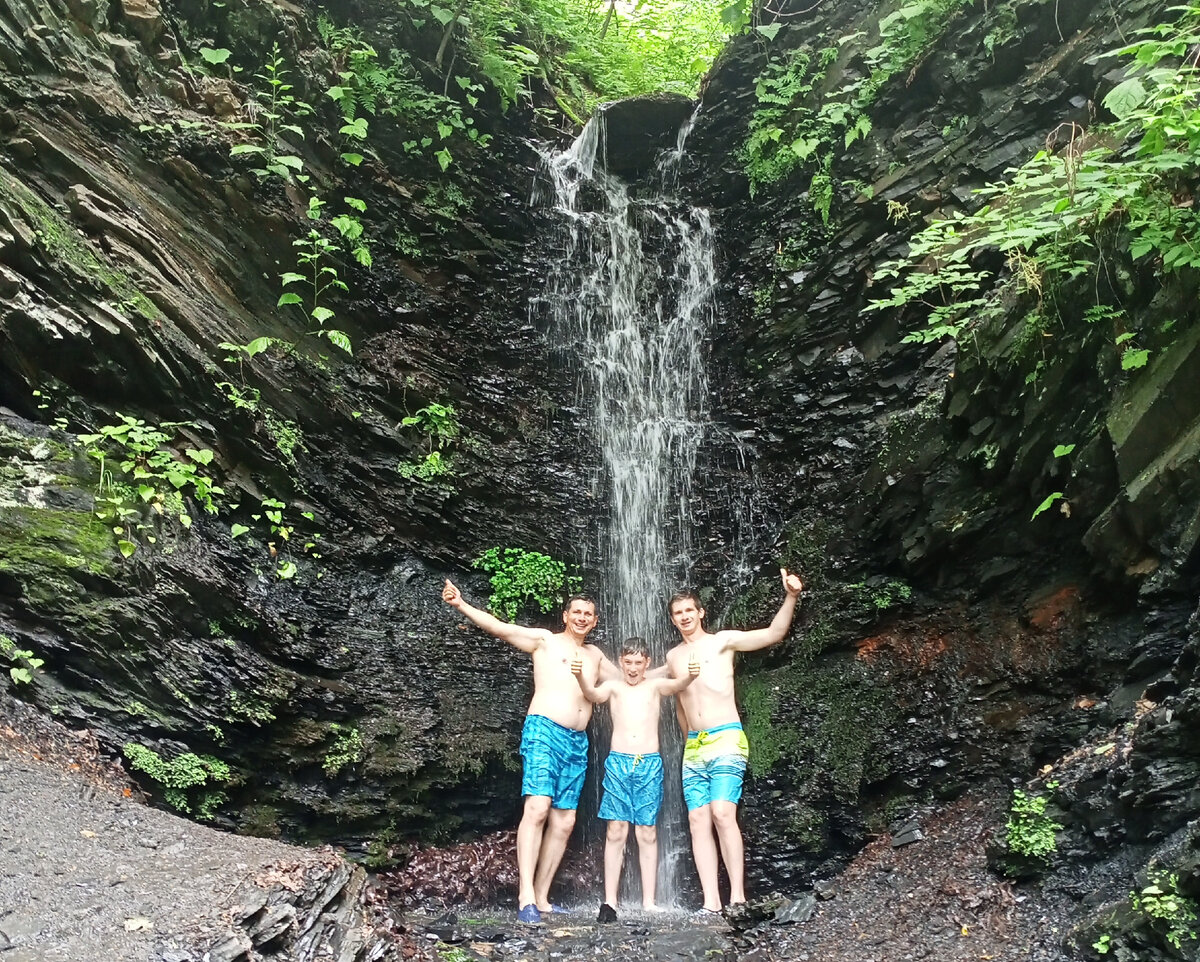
pixel 671 936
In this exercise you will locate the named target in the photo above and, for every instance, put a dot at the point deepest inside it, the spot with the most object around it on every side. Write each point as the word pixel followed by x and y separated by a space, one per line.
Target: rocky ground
pixel 922 893
pixel 90 872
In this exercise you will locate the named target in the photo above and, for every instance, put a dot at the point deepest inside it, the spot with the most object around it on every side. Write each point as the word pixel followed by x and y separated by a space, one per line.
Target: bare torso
pixel 709 700
pixel 556 693
pixel 635 716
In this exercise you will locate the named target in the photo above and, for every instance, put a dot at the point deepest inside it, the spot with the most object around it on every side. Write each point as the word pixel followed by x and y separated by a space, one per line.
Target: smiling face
pixel 634 668
pixel 686 616
pixel 580 617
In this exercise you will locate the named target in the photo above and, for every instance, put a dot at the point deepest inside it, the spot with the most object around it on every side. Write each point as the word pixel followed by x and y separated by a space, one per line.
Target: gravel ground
pixel 932 900
pixel 90 874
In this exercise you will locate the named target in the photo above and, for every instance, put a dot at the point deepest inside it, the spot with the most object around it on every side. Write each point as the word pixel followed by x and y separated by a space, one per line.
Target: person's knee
pixel 724 816
pixel 537 809
pixel 700 819
pixel 562 820
pixel 617 831
pixel 646 834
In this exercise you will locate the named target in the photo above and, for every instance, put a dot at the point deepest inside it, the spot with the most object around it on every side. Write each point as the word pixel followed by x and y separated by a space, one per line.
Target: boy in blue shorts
pixel 633 771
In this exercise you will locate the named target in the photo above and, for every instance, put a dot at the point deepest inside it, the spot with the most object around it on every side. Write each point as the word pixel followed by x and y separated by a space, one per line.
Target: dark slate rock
pixel 637 128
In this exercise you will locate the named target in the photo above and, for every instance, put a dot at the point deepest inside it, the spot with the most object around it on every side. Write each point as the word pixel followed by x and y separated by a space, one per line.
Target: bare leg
pixel 704 851
pixel 724 816
pixel 647 839
pixel 554 842
pixel 614 858
pixel 529 843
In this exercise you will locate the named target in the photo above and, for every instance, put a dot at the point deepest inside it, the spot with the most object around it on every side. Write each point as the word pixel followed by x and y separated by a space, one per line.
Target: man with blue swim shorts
pixel 553 741
pixel 633 771
pixel 716 751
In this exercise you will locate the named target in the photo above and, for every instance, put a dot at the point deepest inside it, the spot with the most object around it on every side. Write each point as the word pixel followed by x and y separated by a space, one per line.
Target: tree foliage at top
pixel 586 51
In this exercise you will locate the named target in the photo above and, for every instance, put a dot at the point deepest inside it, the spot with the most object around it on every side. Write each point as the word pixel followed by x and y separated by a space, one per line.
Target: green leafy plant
pixel 1127 179
pixel 151 475
pixel 278 108
pixel 182 778
pixel 24 664
pixel 520 577
pixel 347 749
pixel 317 275
pixel 1030 831
pixel 797 124
pixel 1169 912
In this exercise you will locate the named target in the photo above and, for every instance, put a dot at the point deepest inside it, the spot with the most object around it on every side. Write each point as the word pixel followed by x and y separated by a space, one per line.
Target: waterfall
pixel 631 302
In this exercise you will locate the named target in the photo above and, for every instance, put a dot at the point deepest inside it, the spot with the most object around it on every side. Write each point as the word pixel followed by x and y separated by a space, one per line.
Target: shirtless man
pixel 633 771
pixel 716 751
pixel 553 741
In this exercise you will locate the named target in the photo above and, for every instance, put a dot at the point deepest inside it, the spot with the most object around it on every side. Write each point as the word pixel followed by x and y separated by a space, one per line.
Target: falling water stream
pixel 632 299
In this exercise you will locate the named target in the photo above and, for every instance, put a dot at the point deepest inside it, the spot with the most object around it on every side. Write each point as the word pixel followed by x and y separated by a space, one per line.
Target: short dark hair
pixel 581 597
pixel 687 594
pixel 635 646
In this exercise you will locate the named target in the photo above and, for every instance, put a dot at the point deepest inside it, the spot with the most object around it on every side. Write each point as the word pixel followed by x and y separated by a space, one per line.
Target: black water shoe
pixel 607 913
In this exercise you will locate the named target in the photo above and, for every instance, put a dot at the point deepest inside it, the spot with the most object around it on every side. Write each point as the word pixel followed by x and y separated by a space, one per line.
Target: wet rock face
pixel 346 700
pixel 897 476
pixel 944 635
pixel 638 128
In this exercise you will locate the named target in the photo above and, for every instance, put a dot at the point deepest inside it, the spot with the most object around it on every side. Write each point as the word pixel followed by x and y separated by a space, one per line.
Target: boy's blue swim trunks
pixel 555 760
pixel 714 764
pixel 633 788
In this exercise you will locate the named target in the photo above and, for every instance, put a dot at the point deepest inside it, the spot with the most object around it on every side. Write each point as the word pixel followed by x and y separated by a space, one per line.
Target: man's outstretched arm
pixel 777 630
pixel 520 637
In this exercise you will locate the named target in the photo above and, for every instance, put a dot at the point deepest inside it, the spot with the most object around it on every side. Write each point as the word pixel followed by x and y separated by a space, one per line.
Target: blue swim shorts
pixel 555 760
pixel 714 765
pixel 633 788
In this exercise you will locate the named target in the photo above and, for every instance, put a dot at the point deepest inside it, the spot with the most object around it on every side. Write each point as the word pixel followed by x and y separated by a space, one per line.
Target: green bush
pixel 1030 831
pixel 520 577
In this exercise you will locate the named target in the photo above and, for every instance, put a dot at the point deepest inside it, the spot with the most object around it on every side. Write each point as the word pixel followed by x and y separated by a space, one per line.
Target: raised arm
pixel 777 630
pixel 596 694
pixel 608 671
pixel 520 637
pixel 669 686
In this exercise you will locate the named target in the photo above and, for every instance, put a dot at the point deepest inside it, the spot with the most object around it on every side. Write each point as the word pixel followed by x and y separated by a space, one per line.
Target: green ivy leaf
pixel 340 339
pixel 1125 98
pixel 237 530
pixel 1045 505
pixel 214 57
pixel 126 548
pixel 1062 450
pixel 1133 359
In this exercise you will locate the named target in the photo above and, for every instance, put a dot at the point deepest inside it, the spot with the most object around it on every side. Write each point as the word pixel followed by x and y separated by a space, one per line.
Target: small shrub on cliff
pixel 1169 912
pixel 180 778
pixel 520 577
pixel 1030 831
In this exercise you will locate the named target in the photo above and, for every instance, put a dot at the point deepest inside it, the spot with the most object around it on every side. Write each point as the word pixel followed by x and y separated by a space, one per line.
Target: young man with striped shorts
pixel 716 751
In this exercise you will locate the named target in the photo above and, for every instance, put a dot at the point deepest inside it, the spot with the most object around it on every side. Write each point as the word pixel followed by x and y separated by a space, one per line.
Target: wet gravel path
pixel 90 874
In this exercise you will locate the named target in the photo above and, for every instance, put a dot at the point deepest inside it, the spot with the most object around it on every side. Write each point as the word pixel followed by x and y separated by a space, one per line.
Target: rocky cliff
pixel 316 686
